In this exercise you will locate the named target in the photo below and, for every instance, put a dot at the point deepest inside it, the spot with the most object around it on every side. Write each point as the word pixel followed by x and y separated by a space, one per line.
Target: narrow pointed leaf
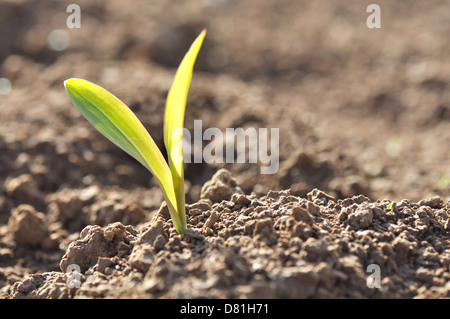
pixel 174 121
pixel 118 123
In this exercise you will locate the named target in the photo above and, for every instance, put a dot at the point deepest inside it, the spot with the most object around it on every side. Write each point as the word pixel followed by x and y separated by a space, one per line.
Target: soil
pixel 364 177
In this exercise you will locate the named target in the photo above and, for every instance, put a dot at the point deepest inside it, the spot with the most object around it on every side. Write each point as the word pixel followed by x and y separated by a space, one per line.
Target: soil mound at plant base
pixel 273 246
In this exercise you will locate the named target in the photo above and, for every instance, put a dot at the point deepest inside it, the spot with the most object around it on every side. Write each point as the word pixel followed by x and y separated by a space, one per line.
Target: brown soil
pixel 364 119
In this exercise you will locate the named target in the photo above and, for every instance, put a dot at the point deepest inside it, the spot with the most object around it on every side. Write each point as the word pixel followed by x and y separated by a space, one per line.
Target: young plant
pixel 118 123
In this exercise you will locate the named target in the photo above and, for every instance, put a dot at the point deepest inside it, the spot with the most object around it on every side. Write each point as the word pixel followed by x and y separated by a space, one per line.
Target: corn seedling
pixel 120 125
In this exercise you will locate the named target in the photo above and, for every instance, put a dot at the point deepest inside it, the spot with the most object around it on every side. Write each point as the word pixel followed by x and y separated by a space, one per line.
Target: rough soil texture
pixel 364 176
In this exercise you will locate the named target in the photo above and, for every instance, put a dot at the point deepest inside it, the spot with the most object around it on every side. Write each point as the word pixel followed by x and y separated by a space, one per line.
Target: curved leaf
pixel 174 121
pixel 118 123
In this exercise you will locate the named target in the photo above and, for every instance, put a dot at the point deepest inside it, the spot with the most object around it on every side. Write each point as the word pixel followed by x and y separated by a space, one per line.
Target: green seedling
pixel 118 123
pixel 444 181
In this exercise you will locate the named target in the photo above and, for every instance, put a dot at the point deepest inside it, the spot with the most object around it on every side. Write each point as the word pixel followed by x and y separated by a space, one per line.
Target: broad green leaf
pixel 118 123
pixel 174 121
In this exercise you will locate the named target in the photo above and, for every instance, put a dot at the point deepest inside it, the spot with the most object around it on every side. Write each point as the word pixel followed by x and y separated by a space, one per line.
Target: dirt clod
pixel 221 187
pixel 360 218
pixel 96 242
pixel 27 226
